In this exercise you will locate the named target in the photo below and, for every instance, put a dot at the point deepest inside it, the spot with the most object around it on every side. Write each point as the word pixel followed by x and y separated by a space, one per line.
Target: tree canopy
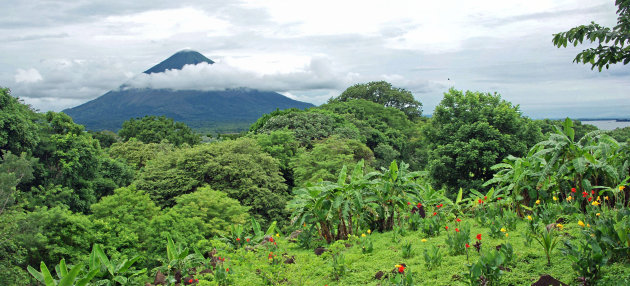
pixel 613 44
pixel 384 93
pixel 154 129
pixel 472 131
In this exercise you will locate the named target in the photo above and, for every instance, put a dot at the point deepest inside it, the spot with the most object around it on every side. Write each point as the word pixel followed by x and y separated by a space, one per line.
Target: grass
pixel 309 269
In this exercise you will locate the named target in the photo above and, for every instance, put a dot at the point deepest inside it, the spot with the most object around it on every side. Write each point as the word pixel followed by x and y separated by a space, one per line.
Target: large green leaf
pixel 48 279
pixel 70 276
pixel 38 275
pixel 85 280
pixel 104 260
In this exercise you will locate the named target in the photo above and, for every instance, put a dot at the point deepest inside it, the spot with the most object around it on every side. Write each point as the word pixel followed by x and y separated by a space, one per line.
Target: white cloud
pixel 27 76
pixel 318 74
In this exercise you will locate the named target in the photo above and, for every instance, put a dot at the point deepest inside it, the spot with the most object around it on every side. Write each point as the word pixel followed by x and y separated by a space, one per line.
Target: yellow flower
pixel 369 231
pixel 277 235
pixel 537 202
pixel 397 265
pixel 529 217
pixel 555 198
pixel 506 234
pixel 363 235
pixel 597 214
pixel 595 203
pixel 424 240
pixel 598 199
pixel 569 198
pixel 621 188
pixel 606 198
pixel 581 223
pixel 503 229
pixel 560 226
pixel 588 225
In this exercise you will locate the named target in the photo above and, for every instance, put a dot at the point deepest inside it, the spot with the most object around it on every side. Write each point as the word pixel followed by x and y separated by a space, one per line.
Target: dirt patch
pixel 319 251
pixel 547 280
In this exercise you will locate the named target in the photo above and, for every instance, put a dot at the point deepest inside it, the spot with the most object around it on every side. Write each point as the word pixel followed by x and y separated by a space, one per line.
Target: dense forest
pixel 154 204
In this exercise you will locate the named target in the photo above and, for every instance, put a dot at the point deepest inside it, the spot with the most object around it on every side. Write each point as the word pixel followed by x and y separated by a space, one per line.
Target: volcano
pixel 230 110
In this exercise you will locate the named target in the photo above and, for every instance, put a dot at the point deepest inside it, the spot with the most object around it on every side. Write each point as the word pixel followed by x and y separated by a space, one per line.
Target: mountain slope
pixel 226 110
pixel 199 109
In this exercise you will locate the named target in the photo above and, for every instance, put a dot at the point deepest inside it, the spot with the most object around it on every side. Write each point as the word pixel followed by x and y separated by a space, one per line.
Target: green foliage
pixel 154 129
pixel 198 216
pixel 311 125
pixel 13 170
pixel 457 239
pixel 587 259
pixel 70 158
pixel 136 153
pixel 49 235
pixel 106 138
pixel 487 271
pixel 124 222
pixel 604 54
pixel 18 127
pixel 432 257
pixel 282 146
pixel 621 134
pixel 326 158
pixel 407 250
pixel 383 93
pixel 469 133
pixel 237 167
pixel 387 130
pixel 548 239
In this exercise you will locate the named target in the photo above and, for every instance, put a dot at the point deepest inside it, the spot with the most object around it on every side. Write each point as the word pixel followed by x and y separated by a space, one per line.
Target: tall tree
pixel 613 45
pixel 154 129
pixel 472 131
pixel 18 127
pixel 384 93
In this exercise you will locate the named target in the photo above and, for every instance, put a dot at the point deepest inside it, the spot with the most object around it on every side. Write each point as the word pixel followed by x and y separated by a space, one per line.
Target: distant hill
pixel 230 110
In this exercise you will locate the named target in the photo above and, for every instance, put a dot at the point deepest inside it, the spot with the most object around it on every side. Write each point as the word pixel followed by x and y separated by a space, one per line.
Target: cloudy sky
pixel 57 54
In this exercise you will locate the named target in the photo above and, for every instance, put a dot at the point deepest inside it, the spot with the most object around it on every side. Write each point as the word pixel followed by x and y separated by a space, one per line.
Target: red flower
pixel 401 269
pixel 485 198
pixel 227 269
pixel 573 190
pixel 480 201
pixel 479 236
pixel 446 227
pixel 458 220
pixel 590 199
pixel 467 246
pixel 196 280
pixel 271 239
pixel 456 229
pixel 592 192
pixel 247 240
pixel 439 206
pixel 434 214
pixel 408 203
pixel 238 239
pixel 419 205
pixel 190 281
pixel 499 198
pixel 584 194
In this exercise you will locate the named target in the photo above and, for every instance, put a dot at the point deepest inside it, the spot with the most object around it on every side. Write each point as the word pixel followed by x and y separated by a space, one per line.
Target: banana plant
pixel 114 272
pixel 66 277
pixel 259 235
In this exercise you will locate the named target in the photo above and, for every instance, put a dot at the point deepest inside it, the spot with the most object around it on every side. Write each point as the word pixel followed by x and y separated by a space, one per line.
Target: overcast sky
pixel 57 54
